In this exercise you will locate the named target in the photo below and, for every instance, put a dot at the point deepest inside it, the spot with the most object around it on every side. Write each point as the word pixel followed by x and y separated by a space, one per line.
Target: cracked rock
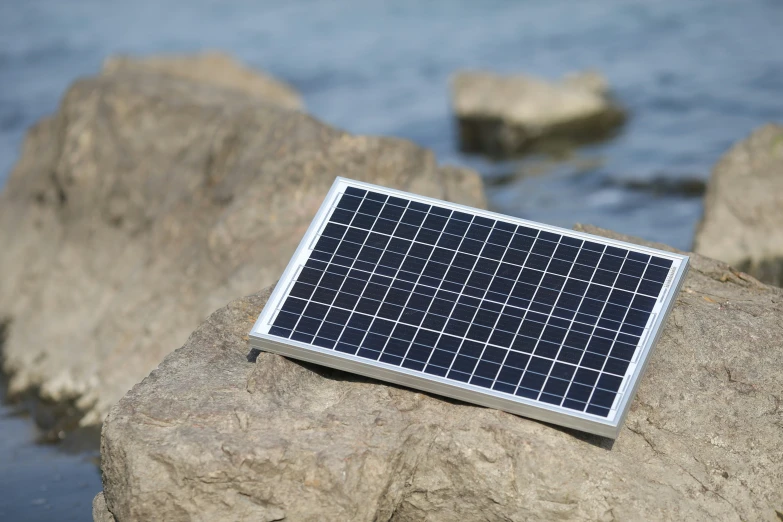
pixel 209 435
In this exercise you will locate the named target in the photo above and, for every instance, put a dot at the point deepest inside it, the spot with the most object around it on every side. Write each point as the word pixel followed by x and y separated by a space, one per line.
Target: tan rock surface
pixel 210 435
pixel 743 207
pixel 152 198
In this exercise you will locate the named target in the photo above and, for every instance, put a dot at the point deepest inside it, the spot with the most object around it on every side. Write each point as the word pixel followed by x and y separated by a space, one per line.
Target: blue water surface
pixel 696 76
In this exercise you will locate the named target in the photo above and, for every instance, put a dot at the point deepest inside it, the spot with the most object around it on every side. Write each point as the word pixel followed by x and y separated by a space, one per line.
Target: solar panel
pixel 535 320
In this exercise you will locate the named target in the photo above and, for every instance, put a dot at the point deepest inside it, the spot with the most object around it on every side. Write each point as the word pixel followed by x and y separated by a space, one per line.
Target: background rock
pixel 743 207
pixel 212 68
pixel 210 435
pixel 505 115
pixel 156 194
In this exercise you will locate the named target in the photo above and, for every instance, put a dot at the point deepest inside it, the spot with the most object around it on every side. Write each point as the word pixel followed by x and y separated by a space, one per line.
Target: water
pixel 43 482
pixel 696 77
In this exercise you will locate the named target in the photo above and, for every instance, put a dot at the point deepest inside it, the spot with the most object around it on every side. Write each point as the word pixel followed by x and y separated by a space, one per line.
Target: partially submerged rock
pixel 506 115
pixel 156 194
pixel 213 435
pixel 743 208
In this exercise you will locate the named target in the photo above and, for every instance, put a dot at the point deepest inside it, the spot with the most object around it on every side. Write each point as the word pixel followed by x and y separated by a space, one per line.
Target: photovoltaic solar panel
pixel 539 321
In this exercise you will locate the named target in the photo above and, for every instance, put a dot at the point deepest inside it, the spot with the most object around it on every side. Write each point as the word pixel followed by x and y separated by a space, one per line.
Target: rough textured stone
pixel 210 435
pixel 743 208
pixel 99 511
pixel 148 201
pixel 212 68
pixel 505 115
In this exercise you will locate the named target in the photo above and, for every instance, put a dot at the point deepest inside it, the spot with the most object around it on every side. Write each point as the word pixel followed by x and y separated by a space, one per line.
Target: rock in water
pixel 157 193
pixel 507 115
pixel 743 207
pixel 210 435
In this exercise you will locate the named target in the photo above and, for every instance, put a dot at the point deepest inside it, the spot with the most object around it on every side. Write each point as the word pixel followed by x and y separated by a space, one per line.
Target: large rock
pixel 743 208
pixel 152 198
pixel 506 115
pixel 212 435
pixel 214 69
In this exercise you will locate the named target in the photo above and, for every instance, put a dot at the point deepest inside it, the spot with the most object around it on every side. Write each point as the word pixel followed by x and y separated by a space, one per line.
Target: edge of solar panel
pixel 603 426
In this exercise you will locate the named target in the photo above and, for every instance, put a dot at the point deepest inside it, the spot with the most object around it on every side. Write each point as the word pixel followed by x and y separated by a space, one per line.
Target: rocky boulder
pixel 219 432
pixel 157 193
pixel 743 207
pixel 507 115
pixel 211 68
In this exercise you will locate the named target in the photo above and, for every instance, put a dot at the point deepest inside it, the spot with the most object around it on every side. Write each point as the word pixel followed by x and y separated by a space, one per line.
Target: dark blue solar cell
pixel 543 247
pixel 522 242
pixel 638 256
pixel 611 263
pixel 569 355
pixel 658 261
pixel 603 398
pixel 330 331
pixel 596 247
pixel 392 212
pixel 458 376
pixel 625 282
pixel 533 381
pixel 598 292
pixel 650 288
pixel 510 375
pixel 316 311
pixel 406 231
pixel 579 392
pixel 593 361
pixel 384 226
pixel 500 237
pixel 412 217
pixel 553 282
pixel 556 387
pixel 345 300
pixel 449 241
pixel 441 358
pixel 604 277
pixel 641 302
pixel 486 369
pixel 508 271
pixel 582 272
pixel 633 268
pixel 575 287
pixel 349 202
pixel 597 410
pixel 478 232
pixel 342 216
pixel 471 246
pixel 515 257
pixel 479 333
pixel 623 351
pixel 363 221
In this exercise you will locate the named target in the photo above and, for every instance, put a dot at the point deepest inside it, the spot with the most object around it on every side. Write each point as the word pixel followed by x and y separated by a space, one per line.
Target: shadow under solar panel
pixel 543 322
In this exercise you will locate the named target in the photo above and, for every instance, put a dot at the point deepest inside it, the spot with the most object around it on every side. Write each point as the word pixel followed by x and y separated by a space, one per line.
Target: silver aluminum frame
pixel 607 427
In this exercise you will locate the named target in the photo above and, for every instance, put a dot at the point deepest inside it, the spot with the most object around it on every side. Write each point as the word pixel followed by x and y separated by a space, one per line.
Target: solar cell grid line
pixel 358 297
pixel 467 303
pixel 568 394
pixel 478 359
pixel 561 344
pixel 429 306
pixel 414 287
pixel 518 385
pixel 571 383
pixel 615 339
pixel 375 316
